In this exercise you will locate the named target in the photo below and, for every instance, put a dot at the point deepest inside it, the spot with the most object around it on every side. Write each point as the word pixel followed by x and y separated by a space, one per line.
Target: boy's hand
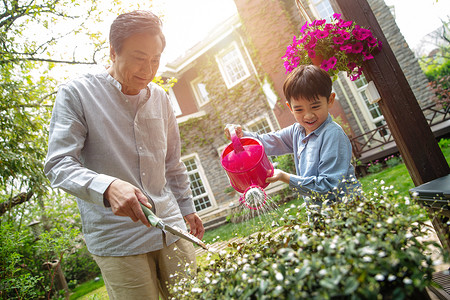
pixel 237 128
pixel 278 175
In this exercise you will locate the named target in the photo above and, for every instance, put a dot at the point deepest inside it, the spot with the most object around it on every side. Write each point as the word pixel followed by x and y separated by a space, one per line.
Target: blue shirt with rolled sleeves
pixel 322 160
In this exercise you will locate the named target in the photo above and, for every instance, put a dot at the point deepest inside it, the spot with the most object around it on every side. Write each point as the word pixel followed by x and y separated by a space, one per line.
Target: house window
pixel 200 92
pixel 199 184
pixel 260 126
pixel 377 117
pixel 174 102
pixel 232 65
pixel 323 9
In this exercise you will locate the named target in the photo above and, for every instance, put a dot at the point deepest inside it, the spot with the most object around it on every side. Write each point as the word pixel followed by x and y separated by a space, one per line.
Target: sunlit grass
pixel 90 290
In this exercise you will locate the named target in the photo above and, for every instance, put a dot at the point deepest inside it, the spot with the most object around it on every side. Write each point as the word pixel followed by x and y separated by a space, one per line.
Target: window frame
pixel 204 180
pixel 232 47
pixel 197 94
pixel 313 6
pixel 174 101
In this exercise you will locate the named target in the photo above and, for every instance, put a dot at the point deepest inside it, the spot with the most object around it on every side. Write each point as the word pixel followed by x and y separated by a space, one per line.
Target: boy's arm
pixel 335 160
pixel 275 143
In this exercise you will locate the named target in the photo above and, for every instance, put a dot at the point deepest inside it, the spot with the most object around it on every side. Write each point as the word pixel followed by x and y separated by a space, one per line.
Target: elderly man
pixel 113 143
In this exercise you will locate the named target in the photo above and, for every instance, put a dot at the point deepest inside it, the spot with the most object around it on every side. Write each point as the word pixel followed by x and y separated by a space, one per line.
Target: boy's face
pixel 311 114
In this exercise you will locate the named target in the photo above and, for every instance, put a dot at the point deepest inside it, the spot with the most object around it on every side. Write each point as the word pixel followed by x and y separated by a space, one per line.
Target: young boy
pixel 321 149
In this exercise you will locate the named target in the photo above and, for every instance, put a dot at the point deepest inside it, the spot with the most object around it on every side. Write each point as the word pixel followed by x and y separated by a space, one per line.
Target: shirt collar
pixel 118 85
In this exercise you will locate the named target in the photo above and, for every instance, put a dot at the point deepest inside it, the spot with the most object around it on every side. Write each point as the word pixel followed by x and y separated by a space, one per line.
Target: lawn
pixel 396 176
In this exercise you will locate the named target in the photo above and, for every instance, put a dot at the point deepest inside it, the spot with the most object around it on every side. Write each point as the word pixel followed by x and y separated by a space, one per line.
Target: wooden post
pixel 412 134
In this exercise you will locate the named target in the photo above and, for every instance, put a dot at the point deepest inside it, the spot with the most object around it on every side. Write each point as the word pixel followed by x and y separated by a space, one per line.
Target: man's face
pixel 136 65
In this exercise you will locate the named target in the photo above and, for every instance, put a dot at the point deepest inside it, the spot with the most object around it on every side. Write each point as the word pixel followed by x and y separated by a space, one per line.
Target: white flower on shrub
pixel 390 220
pixel 367 251
pixel 381 254
pixel 323 272
pixel 407 200
pixel 367 259
pixel 379 277
pixel 408 235
pixel 407 280
pixel 196 290
pixel 279 276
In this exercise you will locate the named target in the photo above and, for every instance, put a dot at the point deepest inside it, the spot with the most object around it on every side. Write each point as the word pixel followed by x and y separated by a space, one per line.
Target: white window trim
pixel 264 116
pixel 174 102
pixel 224 74
pixel 198 97
pixel 205 182
pixel 314 10
pixel 362 106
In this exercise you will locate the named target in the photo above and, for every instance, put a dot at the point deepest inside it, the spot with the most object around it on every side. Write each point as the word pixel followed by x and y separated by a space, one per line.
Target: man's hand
pixel 195 225
pixel 124 199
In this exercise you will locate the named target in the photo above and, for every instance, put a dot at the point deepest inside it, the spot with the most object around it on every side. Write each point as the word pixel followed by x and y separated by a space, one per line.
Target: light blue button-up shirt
pixel 98 135
pixel 322 159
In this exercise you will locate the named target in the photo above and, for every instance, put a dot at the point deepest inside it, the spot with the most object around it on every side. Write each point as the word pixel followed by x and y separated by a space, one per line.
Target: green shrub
pixel 285 163
pixel 366 249
pixel 374 167
pixel 392 161
pixel 80 266
pixel 444 143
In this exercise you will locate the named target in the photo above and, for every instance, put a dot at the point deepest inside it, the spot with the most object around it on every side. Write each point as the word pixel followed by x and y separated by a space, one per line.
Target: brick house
pixel 235 75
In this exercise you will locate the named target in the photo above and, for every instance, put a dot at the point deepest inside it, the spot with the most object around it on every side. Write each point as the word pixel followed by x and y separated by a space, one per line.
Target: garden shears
pixel 175 230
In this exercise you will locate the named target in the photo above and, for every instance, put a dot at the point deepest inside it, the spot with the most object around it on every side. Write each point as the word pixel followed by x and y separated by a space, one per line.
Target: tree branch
pixel 14 201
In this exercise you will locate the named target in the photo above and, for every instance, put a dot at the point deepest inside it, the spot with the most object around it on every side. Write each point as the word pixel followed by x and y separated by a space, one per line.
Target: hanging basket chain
pixel 303 11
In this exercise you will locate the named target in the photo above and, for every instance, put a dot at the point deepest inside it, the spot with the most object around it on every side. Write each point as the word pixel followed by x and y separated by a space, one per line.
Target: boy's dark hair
pixel 128 24
pixel 307 82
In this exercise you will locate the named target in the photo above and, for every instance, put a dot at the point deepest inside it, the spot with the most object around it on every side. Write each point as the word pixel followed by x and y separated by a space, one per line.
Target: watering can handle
pixel 237 146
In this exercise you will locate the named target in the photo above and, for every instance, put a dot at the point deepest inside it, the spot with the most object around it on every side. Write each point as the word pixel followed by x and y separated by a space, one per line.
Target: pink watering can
pixel 247 167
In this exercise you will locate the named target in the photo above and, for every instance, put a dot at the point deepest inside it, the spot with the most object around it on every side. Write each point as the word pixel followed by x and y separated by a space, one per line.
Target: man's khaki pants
pixel 146 276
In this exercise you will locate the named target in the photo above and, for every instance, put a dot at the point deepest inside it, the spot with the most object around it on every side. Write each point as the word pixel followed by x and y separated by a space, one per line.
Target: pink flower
pixel 336 16
pixel 321 34
pixel 361 33
pixel 371 41
pixel 344 34
pixel 351 66
pixel 338 40
pixel 312 53
pixel 304 27
pixel 328 27
pixel 347 48
pixel 367 56
pixel 357 47
pixel 345 24
pixel 329 64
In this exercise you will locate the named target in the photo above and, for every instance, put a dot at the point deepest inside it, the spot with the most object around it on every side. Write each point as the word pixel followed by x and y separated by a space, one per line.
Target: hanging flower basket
pixel 340 46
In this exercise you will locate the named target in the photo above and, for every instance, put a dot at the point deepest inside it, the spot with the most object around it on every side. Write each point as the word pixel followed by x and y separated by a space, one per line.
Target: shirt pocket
pixel 156 135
